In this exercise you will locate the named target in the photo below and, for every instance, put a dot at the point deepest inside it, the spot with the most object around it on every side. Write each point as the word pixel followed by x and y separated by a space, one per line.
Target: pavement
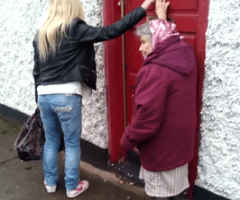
pixel 24 180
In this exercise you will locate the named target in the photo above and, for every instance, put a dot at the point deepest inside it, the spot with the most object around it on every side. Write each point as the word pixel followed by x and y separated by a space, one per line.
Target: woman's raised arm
pixel 86 33
pixel 161 9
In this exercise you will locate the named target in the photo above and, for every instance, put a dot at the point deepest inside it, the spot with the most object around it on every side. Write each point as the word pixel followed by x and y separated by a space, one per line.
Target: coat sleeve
pixel 36 70
pixel 86 33
pixel 150 96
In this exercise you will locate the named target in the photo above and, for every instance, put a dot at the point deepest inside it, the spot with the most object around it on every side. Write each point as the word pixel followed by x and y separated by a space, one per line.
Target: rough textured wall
pixel 19 21
pixel 219 165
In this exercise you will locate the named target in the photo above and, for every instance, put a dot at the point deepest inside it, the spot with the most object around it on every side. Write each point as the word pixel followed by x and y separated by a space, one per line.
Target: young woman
pixel 164 124
pixel 64 72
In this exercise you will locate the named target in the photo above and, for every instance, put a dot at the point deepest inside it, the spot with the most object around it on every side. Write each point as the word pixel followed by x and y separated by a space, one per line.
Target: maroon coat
pixel 164 123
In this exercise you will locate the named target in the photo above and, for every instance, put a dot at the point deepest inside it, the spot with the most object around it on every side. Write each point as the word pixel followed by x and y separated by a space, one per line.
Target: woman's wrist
pixel 146 4
pixel 162 16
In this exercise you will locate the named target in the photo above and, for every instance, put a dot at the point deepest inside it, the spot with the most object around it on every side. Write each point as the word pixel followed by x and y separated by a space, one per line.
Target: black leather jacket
pixel 74 59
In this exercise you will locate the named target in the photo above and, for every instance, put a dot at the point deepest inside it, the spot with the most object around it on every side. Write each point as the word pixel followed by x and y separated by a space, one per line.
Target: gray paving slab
pixel 24 180
pixel 8 132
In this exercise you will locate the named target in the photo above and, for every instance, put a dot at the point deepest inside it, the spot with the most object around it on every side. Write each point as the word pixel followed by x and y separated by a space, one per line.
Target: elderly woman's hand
pixel 147 3
pixel 161 9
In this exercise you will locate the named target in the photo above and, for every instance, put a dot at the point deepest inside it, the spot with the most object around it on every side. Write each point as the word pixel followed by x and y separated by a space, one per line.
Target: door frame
pixel 114 80
pixel 115 85
pixel 202 28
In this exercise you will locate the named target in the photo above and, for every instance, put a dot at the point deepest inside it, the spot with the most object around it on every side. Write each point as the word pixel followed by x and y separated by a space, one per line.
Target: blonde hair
pixel 59 16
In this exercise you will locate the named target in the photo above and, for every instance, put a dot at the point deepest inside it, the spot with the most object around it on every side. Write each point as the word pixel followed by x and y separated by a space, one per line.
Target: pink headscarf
pixel 161 30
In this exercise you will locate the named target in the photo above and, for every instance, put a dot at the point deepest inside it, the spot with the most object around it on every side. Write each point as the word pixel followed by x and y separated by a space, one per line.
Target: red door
pixel 191 19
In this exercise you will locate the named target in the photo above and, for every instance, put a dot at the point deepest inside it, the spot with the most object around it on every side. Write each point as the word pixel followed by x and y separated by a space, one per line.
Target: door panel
pixel 185 22
pixel 184 5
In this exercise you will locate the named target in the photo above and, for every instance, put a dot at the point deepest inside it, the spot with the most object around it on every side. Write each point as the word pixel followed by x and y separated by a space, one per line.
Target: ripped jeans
pixel 61 111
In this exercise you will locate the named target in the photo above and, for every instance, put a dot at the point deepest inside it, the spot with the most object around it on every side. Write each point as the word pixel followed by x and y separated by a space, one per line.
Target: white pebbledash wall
pixel 219 164
pixel 19 21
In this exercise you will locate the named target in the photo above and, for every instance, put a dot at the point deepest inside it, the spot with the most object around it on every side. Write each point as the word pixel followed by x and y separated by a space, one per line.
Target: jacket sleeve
pixel 36 69
pixel 86 33
pixel 150 96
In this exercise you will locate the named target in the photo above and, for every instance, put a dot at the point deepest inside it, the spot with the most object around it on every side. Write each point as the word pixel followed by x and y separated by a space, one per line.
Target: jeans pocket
pixel 62 103
pixel 59 100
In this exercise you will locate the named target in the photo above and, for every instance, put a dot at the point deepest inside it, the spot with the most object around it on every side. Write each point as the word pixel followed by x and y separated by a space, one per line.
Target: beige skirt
pixel 166 183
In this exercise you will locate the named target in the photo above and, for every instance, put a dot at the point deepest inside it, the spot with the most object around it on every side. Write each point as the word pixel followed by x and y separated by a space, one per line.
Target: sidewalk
pixel 24 180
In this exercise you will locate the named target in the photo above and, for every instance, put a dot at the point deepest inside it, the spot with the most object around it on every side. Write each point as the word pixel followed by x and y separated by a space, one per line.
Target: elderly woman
pixel 164 124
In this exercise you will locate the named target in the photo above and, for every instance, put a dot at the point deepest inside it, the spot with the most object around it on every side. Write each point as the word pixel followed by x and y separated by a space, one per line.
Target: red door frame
pixel 202 28
pixel 115 85
pixel 114 80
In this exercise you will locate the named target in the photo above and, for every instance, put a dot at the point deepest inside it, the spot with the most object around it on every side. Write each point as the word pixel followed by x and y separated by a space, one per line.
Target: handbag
pixel 30 140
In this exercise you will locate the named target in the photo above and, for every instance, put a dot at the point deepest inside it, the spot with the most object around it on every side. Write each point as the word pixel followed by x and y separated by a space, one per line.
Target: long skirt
pixel 165 183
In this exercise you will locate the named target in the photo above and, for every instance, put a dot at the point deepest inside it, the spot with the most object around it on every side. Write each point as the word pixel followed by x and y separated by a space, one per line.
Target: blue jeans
pixel 61 111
